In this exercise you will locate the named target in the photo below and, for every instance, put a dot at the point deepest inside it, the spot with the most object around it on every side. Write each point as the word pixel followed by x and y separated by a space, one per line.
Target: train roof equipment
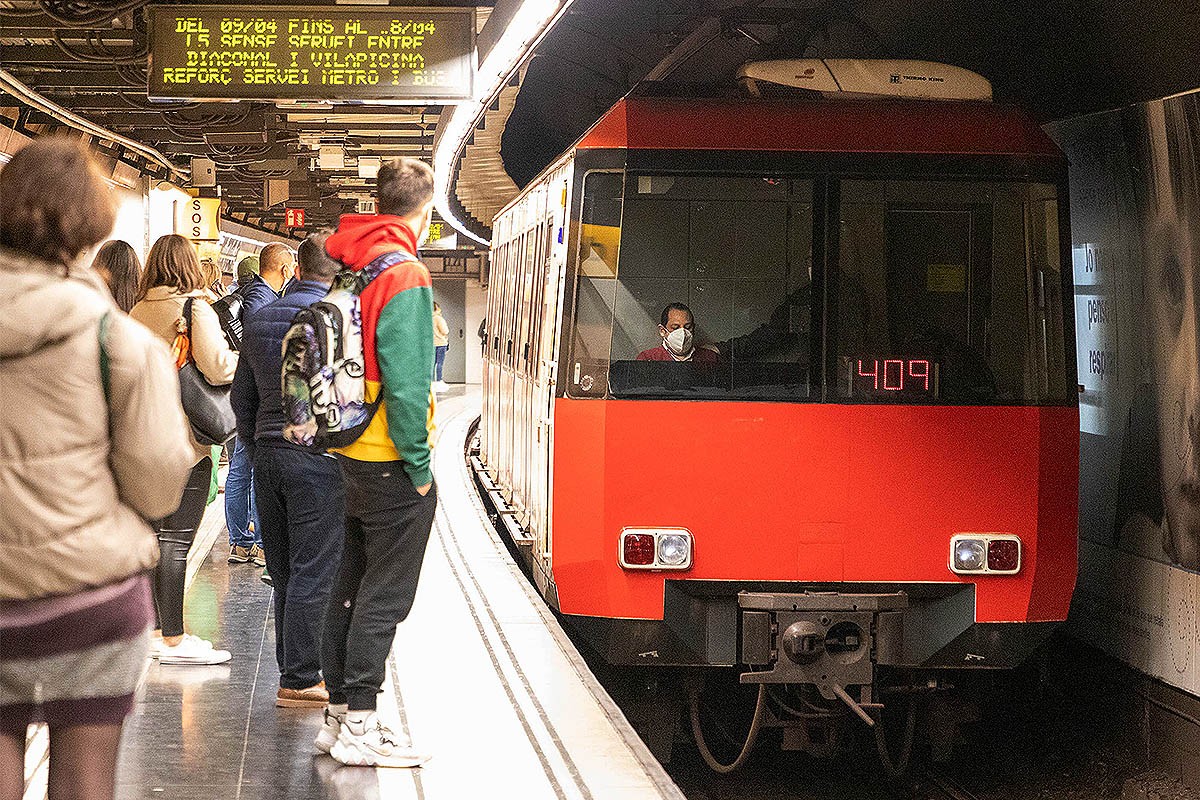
pixel 847 78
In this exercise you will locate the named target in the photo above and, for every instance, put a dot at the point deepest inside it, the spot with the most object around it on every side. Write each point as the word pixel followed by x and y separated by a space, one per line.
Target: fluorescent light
pixel 532 21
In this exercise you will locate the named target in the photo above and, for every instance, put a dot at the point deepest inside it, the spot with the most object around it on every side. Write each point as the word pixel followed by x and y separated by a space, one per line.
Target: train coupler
pixel 826 639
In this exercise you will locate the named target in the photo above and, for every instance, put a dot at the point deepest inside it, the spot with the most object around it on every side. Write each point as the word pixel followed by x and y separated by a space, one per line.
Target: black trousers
pixel 387 528
pixel 301 514
pixel 176 532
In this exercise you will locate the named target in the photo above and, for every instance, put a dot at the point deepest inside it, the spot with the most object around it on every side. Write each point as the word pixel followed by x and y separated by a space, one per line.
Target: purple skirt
pixel 74 659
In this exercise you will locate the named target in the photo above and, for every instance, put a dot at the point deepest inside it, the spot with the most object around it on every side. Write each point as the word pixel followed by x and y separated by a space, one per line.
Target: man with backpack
pixel 299 490
pixel 390 496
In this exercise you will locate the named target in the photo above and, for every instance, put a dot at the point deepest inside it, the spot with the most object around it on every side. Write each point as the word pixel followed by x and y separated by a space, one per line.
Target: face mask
pixel 679 343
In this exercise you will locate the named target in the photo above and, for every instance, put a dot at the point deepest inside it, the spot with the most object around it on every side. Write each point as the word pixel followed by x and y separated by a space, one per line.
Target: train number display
pixel 893 377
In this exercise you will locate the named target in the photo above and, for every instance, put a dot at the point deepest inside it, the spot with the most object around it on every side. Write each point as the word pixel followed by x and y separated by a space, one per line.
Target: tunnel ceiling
pixel 90 57
pixel 1057 58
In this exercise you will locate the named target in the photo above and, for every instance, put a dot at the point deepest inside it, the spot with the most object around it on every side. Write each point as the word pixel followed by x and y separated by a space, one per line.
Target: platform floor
pixel 480 675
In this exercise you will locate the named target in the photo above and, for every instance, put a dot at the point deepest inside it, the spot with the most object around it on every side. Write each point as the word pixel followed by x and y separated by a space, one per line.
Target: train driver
pixel 677 328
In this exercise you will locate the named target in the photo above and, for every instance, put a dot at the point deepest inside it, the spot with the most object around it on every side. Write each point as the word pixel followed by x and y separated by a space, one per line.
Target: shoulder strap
pixel 187 314
pixel 105 369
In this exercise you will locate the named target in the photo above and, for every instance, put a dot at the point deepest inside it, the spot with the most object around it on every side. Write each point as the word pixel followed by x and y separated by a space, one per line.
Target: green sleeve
pixel 404 346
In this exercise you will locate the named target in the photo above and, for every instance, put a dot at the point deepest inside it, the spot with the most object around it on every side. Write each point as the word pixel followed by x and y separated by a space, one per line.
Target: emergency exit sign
pixel 293 217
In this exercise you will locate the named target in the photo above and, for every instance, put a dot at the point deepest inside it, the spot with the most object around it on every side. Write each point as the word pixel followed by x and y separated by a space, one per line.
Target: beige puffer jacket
pixel 77 481
pixel 161 311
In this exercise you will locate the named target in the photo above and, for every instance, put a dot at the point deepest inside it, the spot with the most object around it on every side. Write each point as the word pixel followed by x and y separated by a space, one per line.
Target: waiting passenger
pixel 301 505
pixel 247 270
pixel 86 456
pixel 676 327
pixel 276 266
pixel 118 264
pixel 390 494
pixel 173 277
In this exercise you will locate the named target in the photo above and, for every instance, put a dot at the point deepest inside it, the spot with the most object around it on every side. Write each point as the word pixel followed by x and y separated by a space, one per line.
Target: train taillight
pixel 985 554
pixel 654 548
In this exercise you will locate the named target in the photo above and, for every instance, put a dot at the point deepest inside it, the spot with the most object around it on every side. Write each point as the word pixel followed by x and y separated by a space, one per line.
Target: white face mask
pixel 679 343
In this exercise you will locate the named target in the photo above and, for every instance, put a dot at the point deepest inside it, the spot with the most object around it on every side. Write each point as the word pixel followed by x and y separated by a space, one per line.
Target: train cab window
pixel 735 252
pixel 948 293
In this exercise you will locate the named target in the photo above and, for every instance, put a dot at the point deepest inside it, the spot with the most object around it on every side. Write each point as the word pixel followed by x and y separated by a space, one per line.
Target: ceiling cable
pixel 26 95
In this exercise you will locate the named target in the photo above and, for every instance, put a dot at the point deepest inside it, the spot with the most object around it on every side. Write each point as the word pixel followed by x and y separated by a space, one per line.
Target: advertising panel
pixel 1135 206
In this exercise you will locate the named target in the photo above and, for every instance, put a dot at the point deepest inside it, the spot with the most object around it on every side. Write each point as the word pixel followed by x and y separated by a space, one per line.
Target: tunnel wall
pixel 1135 204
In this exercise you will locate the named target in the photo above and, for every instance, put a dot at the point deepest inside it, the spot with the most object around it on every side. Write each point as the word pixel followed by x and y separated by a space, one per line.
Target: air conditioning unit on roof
pixel 854 77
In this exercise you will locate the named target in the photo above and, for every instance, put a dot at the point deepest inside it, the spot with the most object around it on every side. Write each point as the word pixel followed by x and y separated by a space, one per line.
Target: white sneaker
pixel 376 746
pixel 192 650
pixel 157 645
pixel 441 386
pixel 328 735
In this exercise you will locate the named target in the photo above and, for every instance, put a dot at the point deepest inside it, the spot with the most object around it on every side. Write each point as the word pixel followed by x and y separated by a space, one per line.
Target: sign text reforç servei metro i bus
pixel 311 53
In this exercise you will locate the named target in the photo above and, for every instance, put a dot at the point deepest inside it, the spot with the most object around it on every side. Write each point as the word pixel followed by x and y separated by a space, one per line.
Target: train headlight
pixel 655 548
pixel 674 549
pixel 970 555
pixel 985 553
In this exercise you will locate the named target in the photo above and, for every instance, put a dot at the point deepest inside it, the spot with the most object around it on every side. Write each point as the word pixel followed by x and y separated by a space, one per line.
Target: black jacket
pixel 256 385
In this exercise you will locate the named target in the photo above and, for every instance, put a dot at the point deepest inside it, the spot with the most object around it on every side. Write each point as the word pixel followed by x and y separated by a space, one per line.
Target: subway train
pixel 781 386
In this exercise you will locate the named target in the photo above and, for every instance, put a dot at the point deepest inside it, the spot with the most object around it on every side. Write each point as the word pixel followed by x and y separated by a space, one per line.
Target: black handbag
pixel 207 407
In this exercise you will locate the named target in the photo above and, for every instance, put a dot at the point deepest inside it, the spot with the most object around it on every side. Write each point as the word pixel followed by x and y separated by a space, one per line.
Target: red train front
pixel 869 456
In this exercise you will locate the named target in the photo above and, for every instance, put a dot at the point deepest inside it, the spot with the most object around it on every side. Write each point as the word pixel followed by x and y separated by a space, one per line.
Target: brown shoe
pixel 312 697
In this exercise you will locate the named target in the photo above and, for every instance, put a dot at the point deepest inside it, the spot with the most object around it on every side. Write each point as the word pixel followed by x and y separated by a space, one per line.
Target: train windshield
pixel 702 287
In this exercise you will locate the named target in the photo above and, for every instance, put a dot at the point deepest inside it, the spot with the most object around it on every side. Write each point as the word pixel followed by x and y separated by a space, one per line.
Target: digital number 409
pixel 889 374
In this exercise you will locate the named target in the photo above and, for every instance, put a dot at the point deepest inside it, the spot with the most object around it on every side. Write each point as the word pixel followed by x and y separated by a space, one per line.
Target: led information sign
pixel 895 377
pixel 311 53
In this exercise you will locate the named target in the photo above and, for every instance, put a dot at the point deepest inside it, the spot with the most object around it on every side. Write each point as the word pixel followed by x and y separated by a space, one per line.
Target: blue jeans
pixel 303 514
pixel 240 509
pixel 439 360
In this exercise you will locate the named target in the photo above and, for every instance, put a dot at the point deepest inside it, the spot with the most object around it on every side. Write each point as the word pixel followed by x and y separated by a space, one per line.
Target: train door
pixel 520 360
pixel 533 309
pixel 491 367
pixel 504 355
pixel 546 366
pixel 503 392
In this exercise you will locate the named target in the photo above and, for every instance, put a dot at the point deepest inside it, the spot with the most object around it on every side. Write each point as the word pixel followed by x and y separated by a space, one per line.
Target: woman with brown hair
pixel 93 446
pixel 172 278
pixel 117 263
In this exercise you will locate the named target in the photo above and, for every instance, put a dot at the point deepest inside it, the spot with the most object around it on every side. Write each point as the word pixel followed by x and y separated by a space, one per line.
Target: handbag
pixel 207 407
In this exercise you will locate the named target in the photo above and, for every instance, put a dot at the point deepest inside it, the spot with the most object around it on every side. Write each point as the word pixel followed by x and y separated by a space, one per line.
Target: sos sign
pixel 200 219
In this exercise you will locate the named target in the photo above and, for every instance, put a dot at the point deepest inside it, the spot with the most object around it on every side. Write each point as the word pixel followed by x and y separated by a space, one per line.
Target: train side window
pixel 596 283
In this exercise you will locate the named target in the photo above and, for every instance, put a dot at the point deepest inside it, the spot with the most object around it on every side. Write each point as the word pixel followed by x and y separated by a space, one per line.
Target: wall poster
pixel 1135 208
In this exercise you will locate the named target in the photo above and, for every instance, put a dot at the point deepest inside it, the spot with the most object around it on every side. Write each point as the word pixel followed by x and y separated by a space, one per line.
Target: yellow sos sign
pixel 199 219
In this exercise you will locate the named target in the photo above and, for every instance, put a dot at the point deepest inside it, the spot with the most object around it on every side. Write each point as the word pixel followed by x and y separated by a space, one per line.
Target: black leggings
pixel 175 535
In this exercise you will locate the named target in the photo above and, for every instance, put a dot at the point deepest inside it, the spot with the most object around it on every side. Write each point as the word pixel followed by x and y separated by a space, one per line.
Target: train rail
pixel 942 787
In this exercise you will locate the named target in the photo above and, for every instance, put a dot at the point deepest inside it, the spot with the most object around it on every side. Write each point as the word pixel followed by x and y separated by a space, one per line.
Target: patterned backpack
pixel 323 379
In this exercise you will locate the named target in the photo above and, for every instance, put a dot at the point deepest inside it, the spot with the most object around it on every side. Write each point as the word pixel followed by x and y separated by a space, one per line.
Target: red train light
pixel 637 549
pixel 1004 555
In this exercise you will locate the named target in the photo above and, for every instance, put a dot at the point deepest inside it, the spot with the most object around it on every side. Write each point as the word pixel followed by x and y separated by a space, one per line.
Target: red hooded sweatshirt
pixel 397 328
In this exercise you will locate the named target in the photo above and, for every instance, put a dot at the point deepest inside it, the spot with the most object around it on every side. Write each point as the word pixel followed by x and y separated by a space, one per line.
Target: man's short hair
pixel 315 263
pixel 666 314
pixel 273 258
pixel 403 186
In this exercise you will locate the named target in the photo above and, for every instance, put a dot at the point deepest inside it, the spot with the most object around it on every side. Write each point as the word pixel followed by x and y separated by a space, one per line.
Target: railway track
pixel 942 787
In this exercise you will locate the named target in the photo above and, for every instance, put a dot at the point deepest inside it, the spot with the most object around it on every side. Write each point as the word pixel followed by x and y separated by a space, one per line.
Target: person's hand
pixel 424 490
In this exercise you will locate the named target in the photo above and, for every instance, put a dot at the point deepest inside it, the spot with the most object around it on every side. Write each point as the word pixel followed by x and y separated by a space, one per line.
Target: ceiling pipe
pixel 524 30
pixel 28 96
